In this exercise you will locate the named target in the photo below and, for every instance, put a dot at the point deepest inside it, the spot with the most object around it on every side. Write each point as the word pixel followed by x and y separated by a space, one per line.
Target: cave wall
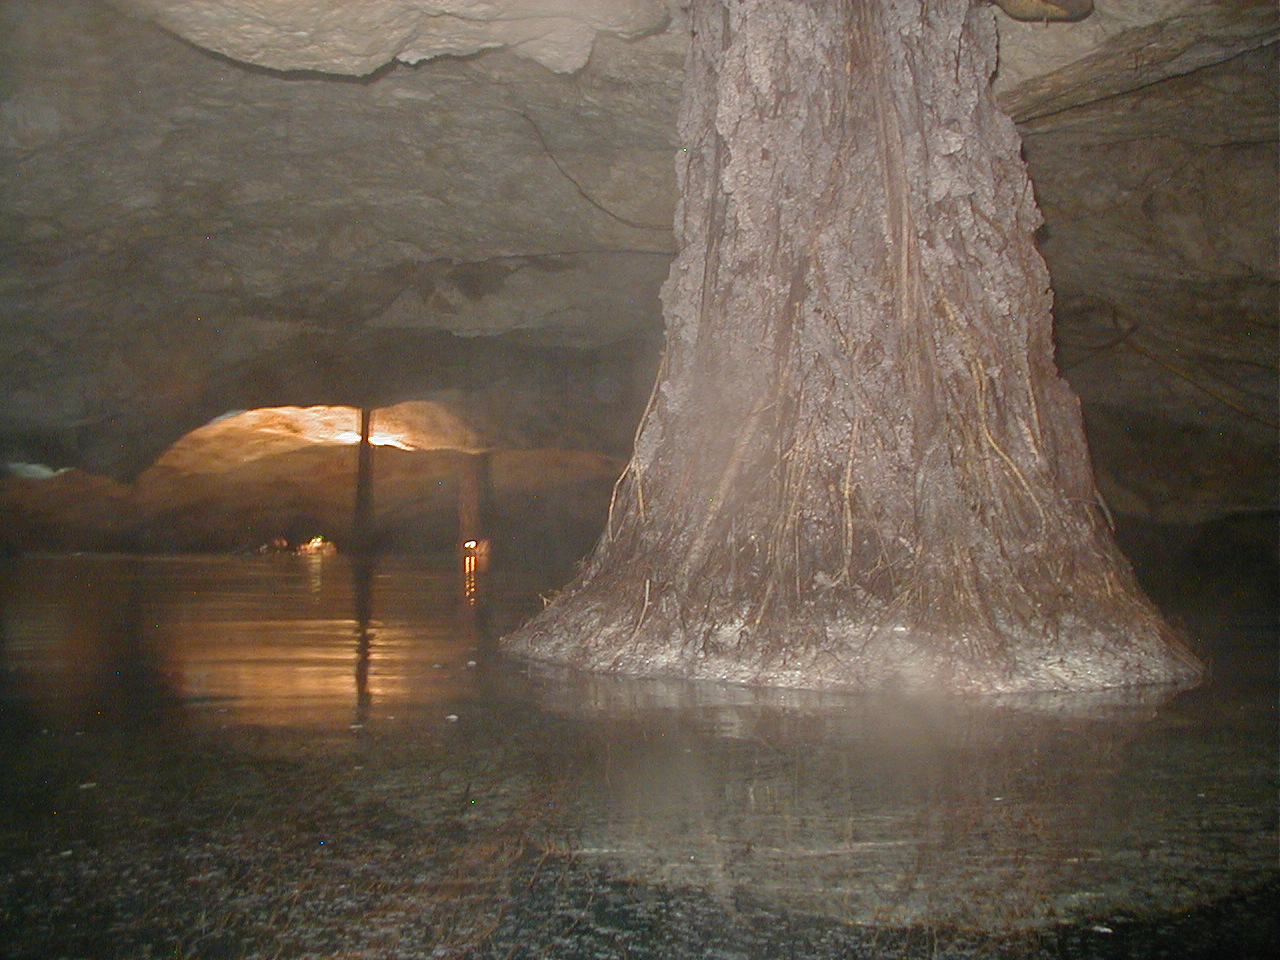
pixel 1165 273
pixel 183 234
pixel 461 200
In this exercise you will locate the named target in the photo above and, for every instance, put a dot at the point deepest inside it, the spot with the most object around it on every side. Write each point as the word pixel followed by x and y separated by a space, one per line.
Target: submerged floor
pixel 216 757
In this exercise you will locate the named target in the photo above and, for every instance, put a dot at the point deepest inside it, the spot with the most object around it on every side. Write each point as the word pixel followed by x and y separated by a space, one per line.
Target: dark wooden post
pixel 362 566
pixel 361 525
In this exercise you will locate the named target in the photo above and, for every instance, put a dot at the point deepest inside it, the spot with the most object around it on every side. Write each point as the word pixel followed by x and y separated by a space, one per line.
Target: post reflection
pixel 362 592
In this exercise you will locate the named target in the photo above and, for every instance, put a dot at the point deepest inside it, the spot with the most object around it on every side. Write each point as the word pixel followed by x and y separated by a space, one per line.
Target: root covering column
pixel 859 467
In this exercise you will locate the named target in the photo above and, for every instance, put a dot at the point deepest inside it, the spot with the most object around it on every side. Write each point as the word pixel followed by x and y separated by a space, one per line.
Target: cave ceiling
pixel 218 205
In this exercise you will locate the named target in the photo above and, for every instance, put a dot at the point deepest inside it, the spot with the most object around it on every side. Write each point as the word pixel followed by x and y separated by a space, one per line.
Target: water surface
pixel 271 756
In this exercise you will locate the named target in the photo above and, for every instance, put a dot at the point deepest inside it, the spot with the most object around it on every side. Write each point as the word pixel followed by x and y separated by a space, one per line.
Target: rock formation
pixel 234 204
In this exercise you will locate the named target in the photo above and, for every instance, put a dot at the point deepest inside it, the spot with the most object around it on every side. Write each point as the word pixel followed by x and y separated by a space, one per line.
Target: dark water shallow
pixel 199 757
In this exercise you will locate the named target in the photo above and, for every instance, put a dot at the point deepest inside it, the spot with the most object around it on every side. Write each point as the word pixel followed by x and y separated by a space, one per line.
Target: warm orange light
pixel 376 439
pixel 317 546
pixel 237 437
pixel 475 560
pixel 470 584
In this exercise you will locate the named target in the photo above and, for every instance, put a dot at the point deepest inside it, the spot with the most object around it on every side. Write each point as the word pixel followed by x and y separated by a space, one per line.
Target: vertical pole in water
pixel 362 567
pixel 360 524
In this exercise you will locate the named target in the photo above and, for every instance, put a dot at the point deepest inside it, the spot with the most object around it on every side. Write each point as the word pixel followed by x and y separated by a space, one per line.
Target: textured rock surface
pixel 1166 278
pixel 1150 131
pixel 337 36
pixel 1124 45
pixel 182 234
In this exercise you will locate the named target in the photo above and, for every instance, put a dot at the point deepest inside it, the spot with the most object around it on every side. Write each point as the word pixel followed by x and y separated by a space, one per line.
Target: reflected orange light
pixel 317 546
pixel 475 560
pixel 470 587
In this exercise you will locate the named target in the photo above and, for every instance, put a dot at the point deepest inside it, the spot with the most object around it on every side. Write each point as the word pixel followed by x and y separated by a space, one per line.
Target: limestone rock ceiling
pixel 337 36
pixel 185 235
pixel 367 203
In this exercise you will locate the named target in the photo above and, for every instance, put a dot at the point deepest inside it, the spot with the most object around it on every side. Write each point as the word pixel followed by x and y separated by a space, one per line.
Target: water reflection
pixel 874 809
pixel 888 809
pixel 362 587
pixel 278 639
pixel 75 640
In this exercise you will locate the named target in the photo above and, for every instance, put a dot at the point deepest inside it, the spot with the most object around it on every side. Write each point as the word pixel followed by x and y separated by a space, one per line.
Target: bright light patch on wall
pixel 238 437
pixel 377 438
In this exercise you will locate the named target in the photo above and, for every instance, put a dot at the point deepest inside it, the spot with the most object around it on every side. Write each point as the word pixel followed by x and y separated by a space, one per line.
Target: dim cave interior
pixel 205 213
pixel 231 230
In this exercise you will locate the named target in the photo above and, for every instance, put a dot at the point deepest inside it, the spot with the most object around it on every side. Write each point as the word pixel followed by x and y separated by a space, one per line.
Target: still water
pixel 285 756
